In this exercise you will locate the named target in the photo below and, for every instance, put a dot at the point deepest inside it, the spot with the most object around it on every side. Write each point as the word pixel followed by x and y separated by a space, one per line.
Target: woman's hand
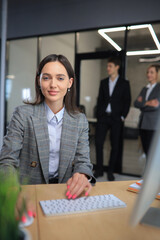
pixel 152 103
pixel 139 99
pixel 77 184
pixel 24 206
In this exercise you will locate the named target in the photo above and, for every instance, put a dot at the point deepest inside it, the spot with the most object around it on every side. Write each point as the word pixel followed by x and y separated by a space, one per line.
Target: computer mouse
pixel 26 220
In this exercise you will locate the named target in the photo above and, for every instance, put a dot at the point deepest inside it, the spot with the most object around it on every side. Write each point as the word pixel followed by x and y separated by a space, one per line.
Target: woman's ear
pixel 70 82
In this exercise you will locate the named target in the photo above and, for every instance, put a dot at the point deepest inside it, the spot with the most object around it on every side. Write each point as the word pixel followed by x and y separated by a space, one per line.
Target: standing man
pixel 112 108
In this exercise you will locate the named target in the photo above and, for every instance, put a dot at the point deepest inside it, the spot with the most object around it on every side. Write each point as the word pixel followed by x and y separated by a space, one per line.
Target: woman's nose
pixel 53 82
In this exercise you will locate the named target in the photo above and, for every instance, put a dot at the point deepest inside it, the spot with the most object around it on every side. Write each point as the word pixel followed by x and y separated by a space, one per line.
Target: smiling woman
pixel 47 140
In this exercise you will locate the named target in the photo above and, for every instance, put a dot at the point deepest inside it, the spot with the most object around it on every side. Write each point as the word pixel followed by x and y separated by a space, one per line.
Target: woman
pixel 148 102
pixel 48 140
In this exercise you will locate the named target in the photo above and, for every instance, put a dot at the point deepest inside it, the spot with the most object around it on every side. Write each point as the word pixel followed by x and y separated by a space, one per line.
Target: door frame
pixel 101 55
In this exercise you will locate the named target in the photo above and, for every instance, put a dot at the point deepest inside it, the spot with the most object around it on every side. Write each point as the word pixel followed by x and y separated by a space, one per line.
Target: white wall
pixel 23 64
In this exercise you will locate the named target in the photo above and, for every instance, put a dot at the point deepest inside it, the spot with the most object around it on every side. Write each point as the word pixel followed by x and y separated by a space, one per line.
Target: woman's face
pixel 54 82
pixel 152 75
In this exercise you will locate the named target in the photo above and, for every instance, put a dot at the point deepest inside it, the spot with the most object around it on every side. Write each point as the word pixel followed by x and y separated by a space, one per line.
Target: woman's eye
pixel 61 78
pixel 45 78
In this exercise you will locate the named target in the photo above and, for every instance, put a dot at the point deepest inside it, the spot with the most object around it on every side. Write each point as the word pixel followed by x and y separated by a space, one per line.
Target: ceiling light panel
pixel 103 32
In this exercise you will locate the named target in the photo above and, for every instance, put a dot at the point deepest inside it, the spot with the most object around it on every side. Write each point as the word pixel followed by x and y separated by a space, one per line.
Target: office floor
pixel 133 159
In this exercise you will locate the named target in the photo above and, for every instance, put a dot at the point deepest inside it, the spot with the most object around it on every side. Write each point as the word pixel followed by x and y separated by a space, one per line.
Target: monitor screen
pixel 151 182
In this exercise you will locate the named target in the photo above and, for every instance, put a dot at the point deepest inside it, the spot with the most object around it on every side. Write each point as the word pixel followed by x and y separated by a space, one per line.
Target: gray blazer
pixel 26 145
pixel 149 115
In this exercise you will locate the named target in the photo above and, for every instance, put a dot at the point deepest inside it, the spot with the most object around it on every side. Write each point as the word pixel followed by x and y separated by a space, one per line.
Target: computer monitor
pixel 142 212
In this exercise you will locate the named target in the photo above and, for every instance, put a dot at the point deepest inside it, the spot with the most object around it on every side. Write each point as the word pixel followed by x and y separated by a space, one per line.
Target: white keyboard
pixel 83 204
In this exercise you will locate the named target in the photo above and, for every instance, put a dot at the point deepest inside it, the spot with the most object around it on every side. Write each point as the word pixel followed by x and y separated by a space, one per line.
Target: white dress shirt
pixel 111 89
pixel 54 122
pixel 149 90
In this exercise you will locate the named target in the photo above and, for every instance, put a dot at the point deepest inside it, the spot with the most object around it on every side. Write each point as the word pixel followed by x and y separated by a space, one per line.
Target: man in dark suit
pixel 112 108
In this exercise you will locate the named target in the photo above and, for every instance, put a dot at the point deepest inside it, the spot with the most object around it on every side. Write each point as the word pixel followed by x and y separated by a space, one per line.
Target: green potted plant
pixel 10 215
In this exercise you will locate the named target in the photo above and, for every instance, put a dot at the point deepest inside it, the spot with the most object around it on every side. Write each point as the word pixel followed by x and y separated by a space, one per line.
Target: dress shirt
pixel 111 88
pixel 149 90
pixel 54 122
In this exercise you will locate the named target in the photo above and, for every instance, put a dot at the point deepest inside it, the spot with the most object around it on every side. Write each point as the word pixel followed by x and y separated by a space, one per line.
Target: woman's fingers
pixel 69 183
pixel 77 184
pixel 24 206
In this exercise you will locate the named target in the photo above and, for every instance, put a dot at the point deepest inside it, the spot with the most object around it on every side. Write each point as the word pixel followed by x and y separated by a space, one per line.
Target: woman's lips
pixel 53 93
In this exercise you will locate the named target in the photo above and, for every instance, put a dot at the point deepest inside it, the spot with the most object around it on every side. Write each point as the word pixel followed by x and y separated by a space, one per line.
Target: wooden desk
pixel 107 224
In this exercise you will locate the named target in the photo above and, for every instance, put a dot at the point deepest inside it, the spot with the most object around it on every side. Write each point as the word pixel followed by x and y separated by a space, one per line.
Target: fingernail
pixel 70 195
pixel 34 214
pixel 23 219
pixel 86 194
pixel 74 196
pixel 30 213
pixel 68 186
pixel 67 193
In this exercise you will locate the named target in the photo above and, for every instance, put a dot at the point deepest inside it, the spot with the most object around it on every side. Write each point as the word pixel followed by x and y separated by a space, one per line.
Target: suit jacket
pixel 27 140
pixel 149 115
pixel 120 100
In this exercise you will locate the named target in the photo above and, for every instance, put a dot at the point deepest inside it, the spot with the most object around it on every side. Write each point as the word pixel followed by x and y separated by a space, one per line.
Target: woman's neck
pixel 54 107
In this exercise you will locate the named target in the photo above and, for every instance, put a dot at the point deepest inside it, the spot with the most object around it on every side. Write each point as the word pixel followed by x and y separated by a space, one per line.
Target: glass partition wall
pixel 139 40
pixel 59 44
pixel 22 64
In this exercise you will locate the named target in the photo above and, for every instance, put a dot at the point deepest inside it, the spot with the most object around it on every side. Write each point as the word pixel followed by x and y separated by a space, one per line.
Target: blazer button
pixel 33 164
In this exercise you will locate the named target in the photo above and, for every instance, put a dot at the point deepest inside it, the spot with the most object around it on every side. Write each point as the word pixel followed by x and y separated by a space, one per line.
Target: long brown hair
pixel 70 97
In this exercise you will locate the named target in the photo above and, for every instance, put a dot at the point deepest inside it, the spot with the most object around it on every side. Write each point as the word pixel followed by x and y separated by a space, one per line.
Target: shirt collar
pixel 115 80
pixel 150 85
pixel 51 115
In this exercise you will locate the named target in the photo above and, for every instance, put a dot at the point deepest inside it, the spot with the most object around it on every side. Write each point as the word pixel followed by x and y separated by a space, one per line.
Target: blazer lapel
pixel 116 86
pixel 107 87
pixel 68 143
pixel 42 137
pixel 153 92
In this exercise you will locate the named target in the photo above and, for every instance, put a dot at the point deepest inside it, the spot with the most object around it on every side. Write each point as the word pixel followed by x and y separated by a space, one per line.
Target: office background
pixel 37 28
